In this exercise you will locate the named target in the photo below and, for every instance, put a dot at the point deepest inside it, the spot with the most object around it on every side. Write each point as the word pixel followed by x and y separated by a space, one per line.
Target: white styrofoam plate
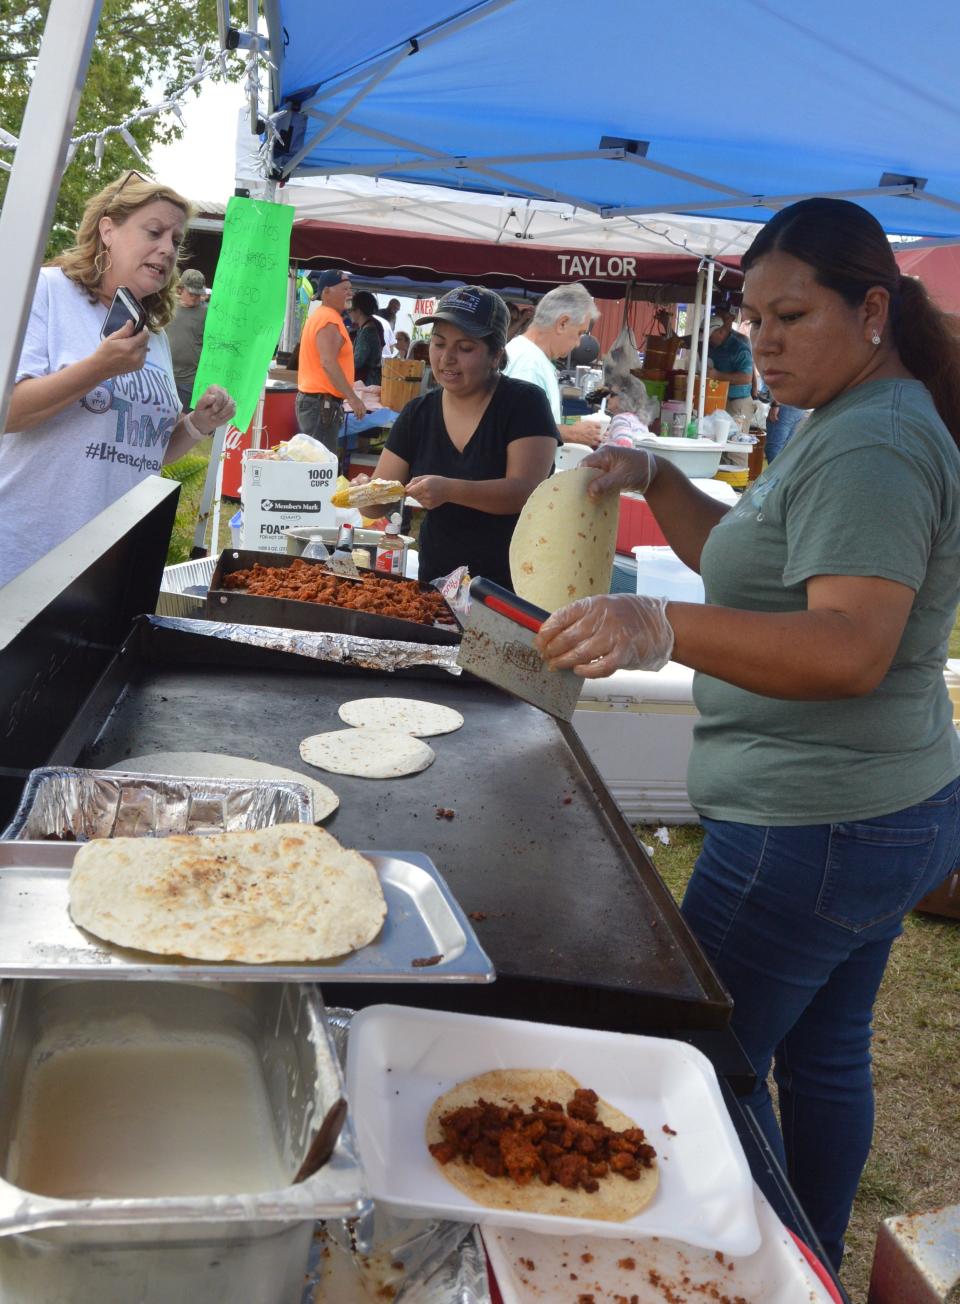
pixel 531 1269
pixel 399 1060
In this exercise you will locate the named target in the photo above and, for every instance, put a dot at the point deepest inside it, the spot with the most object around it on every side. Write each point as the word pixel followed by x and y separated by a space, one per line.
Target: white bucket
pixel 661 574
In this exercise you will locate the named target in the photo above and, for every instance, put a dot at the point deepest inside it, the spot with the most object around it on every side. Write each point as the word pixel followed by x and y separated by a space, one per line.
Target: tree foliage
pixel 143 50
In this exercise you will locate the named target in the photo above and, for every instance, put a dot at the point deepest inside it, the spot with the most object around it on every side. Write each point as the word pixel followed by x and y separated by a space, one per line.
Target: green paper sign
pixel 247 304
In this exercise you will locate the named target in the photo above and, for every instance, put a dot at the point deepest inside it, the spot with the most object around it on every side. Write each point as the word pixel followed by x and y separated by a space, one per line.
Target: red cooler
pixel 637 525
pixel 279 423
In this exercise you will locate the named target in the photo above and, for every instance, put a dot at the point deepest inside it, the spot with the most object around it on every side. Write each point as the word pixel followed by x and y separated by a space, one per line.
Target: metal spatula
pixel 498 646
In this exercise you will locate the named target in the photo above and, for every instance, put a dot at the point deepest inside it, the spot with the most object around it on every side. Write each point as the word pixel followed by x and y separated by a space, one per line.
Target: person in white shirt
pixel 90 415
pixel 561 317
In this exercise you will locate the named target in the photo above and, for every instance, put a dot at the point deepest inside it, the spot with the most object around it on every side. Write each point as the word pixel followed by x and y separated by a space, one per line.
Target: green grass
pixel 191 471
pixel 915 1163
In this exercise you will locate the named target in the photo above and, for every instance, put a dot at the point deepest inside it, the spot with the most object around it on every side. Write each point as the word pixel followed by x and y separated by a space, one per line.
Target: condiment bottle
pixel 345 540
pixel 391 550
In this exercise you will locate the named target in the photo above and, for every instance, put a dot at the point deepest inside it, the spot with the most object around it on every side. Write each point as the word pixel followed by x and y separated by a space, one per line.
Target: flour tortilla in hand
pixel 617 1199
pixel 214 766
pixel 564 542
pixel 284 893
pixel 422 719
pixel 367 753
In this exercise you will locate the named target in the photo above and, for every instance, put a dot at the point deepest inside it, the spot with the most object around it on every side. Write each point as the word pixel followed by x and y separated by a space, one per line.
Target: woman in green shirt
pixel 825 762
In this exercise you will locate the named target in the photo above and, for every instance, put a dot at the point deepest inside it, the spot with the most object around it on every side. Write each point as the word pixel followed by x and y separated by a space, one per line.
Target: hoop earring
pixel 875 338
pixel 103 269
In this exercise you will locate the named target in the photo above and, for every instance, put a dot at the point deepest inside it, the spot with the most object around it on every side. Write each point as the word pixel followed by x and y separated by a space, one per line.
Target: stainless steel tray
pixel 38 939
pixel 73 805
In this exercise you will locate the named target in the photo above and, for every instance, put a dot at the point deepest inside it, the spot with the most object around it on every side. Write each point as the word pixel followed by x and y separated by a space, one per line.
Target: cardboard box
pixel 279 496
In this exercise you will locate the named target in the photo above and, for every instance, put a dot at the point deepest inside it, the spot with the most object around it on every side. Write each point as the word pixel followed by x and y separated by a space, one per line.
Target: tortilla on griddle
pixel 563 545
pixel 284 893
pixel 409 715
pixel 368 753
pixel 617 1199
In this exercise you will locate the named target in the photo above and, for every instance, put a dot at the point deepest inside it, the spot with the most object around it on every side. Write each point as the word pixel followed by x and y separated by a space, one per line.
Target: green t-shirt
pixel 868 485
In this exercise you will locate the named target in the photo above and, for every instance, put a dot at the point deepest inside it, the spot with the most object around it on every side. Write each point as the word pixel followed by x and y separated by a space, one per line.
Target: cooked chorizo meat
pixel 304 581
pixel 548 1143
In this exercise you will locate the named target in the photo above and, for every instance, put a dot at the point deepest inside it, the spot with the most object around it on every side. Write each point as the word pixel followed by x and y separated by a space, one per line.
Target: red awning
pixel 372 251
pixel 939 269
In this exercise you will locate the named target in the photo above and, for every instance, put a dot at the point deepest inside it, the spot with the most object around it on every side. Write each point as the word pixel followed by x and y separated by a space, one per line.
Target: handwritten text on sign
pixel 248 302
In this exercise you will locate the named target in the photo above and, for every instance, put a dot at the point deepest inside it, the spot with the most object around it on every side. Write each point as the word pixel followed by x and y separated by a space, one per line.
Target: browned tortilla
pixel 617 1199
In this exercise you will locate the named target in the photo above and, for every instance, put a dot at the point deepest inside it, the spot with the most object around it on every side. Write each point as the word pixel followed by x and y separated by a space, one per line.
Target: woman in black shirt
pixel 368 344
pixel 473 450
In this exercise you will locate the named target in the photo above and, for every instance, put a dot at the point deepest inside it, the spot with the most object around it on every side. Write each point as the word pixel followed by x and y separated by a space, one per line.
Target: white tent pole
pixel 211 485
pixel 37 167
pixel 219 448
pixel 256 431
pixel 694 341
pixel 707 312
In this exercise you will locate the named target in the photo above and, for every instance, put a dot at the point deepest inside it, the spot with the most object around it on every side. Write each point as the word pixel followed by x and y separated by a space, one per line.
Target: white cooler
pixel 637 726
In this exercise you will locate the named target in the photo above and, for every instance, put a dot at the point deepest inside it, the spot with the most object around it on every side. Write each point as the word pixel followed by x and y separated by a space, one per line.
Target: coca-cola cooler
pixel 279 422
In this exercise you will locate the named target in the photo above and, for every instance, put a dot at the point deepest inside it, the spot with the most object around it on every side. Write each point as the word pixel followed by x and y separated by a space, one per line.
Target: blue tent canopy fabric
pixel 714 109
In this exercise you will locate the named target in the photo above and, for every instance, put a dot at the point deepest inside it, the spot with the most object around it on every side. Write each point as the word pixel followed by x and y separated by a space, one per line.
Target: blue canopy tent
pixel 729 109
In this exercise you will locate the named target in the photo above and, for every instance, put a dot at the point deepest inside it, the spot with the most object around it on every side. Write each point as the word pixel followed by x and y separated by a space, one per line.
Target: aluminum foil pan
pixel 74 805
pixel 382 655
pixel 411 1261
pixel 173 599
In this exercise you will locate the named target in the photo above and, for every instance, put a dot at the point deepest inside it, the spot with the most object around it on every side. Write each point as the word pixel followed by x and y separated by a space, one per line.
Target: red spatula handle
pixel 507 604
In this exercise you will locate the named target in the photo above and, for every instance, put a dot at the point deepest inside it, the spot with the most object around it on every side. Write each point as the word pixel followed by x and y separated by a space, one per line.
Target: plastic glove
pixel 621 468
pixel 617 631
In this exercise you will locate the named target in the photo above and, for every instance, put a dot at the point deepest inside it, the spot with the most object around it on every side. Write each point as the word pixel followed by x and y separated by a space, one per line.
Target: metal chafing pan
pixel 174 1250
pixel 64 803
pixel 249 609
pixel 426 935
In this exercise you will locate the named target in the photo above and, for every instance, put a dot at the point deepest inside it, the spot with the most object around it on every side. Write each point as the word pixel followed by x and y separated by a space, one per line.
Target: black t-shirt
pixel 452 535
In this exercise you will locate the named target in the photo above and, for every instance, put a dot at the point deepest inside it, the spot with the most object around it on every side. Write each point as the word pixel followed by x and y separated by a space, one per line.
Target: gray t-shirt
pixel 869 485
pixel 185 334
pixel 58 476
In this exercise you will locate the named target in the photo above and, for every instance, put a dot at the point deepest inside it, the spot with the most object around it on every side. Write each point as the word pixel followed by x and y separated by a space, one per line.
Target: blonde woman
pixel 90 417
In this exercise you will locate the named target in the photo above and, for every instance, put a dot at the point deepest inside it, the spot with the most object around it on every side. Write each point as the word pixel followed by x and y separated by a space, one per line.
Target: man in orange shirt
pixel 326 376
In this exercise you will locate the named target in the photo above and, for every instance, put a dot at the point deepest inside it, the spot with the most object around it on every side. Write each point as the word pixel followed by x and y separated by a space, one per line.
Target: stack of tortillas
pixel 564 542
pixel 284 893
pixel 387 740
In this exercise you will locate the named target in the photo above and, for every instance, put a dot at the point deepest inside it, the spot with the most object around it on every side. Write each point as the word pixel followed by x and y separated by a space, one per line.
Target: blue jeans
pixel 780 428
pixel 798 922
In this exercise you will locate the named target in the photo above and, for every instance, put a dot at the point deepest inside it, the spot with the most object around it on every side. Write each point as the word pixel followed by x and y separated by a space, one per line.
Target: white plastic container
pixel 637 726
pixel 571 455
pixel 399 1059
pixel 661 574
pixel 696 458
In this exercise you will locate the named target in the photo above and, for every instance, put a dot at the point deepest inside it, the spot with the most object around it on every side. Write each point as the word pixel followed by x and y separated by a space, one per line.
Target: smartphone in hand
pixel 125 307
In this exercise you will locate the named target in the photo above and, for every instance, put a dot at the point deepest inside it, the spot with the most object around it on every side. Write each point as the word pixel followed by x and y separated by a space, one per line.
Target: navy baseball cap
pixel 324 280
pixel 475 310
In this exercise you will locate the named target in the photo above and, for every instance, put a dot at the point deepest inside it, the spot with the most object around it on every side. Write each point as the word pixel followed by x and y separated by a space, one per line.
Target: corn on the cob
pixel 362 495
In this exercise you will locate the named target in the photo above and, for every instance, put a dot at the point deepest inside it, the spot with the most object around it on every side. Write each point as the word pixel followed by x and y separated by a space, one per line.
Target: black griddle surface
pixel 529 846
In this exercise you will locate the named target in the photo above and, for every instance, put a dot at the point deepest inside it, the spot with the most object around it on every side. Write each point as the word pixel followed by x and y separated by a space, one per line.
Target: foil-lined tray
pixel 382 655
pixel 67 804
